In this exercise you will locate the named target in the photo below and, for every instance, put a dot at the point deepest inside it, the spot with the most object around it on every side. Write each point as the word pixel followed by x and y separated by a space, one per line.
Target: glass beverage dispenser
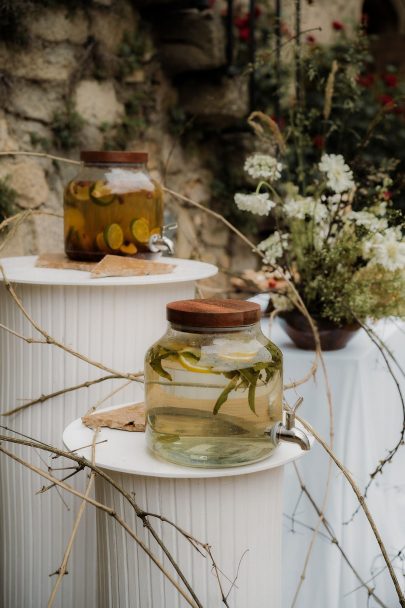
pixel 214 387
pixel 113 206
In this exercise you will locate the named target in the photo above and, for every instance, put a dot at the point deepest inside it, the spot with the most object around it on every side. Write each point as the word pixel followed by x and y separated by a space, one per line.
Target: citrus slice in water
pixel 237 356
pixel 128 249
pixel 101 194
pixel 189 362
pixel 114 236
pixel 140 230
pixel 79 190
pixel 100 242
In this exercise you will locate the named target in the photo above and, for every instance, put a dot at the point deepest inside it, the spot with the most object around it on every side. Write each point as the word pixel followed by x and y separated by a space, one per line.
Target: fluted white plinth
pixel 110 320
pixel 238 511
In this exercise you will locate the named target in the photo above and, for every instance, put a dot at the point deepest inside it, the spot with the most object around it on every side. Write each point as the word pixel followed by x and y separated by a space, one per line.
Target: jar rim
pixel 188 329
pixel 113 156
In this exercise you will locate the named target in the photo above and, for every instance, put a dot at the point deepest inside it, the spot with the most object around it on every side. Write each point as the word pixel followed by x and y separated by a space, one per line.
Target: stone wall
pixel 93 78
pixel 113 74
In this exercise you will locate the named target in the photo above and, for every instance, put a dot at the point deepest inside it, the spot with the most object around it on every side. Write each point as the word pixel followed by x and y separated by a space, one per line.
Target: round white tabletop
pixel 126 452
pixel 23 270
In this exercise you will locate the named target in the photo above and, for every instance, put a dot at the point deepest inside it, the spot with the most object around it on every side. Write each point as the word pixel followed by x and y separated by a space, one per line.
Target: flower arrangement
pixel 331 180
pixel 339 241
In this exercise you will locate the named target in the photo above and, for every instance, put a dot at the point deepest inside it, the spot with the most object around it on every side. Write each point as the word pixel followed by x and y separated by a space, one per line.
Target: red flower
pixel 338 26
pixel 244 33
pixel 284 29
pixel 387 195
pixel 311 39
pixel 385 100
pixel 364 20
pixel 390 80
pixel 242 22
pixel 272 283
pixel 319 142
pixel 366 80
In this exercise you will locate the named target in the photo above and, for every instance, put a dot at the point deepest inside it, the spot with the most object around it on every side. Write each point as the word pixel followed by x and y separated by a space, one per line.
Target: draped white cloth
pixel 368 417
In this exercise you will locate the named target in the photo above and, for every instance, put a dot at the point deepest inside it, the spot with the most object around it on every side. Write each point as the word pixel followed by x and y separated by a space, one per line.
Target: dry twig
pixel 363 504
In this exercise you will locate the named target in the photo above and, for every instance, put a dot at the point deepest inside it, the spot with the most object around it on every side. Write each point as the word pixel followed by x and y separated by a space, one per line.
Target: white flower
pixel 263 166
pixel 300 208
pixel 260 204
pixel 273 247
pixel 386 250
pixel 121 181
pixel 368 220
pixel 339 176
pixel 281 302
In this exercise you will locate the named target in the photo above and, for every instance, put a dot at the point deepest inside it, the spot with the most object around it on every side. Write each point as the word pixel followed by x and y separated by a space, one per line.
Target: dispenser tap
pixel 288 431
pixel 158 243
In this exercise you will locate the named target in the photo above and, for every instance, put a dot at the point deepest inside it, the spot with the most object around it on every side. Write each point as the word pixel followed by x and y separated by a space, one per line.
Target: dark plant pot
pixel 332 336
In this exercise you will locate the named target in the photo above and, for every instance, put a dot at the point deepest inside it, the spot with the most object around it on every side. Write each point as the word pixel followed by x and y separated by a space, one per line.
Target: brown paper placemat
pixel 128 418
pixel 117 266
pixel 109 266
pixel 60 260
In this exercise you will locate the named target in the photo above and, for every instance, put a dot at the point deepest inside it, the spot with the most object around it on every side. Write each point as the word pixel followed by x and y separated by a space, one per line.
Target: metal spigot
pixel 159 243
pixel 288 431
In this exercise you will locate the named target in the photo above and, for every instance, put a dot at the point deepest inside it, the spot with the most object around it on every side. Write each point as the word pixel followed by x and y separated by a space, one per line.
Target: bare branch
pixel 363 504
pixel 110 511
pixel 44 398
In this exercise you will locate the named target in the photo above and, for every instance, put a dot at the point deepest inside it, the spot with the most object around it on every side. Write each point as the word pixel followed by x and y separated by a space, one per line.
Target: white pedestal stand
pixel 238 511
pixel 110 320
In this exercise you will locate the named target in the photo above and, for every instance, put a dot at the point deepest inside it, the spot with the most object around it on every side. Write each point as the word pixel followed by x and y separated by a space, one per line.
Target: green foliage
pixel 41 142
pixel 132 51
pixel 177 121
pixel 66 128
pixel 366 120
pixel 8 199
pixel 134 123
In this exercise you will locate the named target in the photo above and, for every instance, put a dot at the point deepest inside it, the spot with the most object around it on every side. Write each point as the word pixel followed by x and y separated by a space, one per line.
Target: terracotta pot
pixel 332 336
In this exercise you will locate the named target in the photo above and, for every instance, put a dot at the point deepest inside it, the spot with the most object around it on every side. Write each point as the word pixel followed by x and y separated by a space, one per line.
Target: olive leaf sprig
pixel 246 378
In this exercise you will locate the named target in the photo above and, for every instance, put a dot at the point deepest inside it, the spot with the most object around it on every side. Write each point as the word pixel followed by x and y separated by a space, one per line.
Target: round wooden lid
pixel 213 313
pixel 111 156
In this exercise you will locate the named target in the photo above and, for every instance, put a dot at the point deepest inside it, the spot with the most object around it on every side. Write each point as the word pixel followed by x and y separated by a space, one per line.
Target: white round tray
pixel 126 452
pixel 22 270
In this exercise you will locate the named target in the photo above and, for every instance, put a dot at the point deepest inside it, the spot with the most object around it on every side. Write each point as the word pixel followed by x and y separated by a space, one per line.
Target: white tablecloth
pixel 368 419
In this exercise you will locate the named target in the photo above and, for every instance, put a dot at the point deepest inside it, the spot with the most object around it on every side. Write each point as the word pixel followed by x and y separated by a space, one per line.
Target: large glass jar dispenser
pixel 213 386
pixel 112 206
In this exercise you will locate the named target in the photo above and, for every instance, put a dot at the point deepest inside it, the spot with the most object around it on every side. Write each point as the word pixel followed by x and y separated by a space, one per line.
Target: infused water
pixel 212 399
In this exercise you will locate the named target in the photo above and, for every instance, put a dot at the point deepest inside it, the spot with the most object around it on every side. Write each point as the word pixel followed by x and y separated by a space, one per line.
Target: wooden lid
pixel 213 313
pixel 109 156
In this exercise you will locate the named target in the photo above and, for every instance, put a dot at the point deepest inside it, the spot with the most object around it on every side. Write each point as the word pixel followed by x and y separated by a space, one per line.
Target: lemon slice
pixel 114 236
pixel 101 244
pixel 80 191
pixel 140 230
pixel 101 194
pixel 245 356
pixel 189 363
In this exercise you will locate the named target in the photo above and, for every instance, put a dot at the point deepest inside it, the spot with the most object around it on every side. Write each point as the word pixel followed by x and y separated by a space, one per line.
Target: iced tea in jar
pixel 112 206
pixel 213 386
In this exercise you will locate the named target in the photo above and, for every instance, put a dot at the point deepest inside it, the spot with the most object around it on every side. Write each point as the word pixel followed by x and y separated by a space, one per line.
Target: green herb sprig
pixel 246 378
